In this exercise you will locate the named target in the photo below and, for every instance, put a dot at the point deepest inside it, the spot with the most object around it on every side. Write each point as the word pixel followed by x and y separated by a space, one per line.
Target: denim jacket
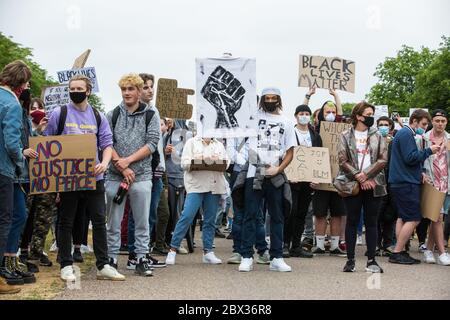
pixel 26 121
pixel 11 158
pixel 348 158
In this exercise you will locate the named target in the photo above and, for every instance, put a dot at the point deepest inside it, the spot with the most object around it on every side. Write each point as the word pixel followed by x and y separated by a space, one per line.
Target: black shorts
pixel 407 199
pixel 324 200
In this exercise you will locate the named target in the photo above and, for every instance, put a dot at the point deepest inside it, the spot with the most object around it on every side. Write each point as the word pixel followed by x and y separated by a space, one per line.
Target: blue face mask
pixel 383 131
pixel 420 131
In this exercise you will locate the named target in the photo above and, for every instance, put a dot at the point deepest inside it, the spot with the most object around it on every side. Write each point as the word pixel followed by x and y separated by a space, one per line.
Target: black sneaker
pixel 349 266
pixel 307 243
pixel 77 257
pixel 132 261
pixel 143 268
pixel 372 266
pixel 400 258
pixel 45 261
pixel 338 252
pixel 160 251
pixel 112 264
pixel 300 252
pixel 318 250
pixel 415 261
pixel 219 234
pixel 155 263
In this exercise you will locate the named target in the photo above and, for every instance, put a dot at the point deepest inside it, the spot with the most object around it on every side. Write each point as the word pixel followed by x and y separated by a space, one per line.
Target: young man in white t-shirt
pixel 269 154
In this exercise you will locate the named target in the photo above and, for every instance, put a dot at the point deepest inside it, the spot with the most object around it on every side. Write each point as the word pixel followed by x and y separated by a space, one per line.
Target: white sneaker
pixel 109 273
pixel 170 259
pixel 422 247
pixel 211 258
pixel 278 264
pixel 359 241
pixel 444 259
pixel 182 250
pixel 54 247
pixel 67 274
pixel 428 257
pixel 246 265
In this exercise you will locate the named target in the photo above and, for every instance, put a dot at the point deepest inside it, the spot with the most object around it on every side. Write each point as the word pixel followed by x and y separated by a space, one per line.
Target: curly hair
pixel 131 79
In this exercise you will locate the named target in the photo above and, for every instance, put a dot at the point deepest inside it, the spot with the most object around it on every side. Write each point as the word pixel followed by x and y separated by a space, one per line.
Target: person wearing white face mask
pixel 301 191
pixel 324 201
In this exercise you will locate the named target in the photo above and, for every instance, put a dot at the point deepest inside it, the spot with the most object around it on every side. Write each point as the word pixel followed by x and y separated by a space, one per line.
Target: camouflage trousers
pixel 45 211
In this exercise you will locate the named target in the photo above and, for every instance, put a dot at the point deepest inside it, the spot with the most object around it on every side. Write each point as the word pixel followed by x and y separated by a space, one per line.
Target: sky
pixel 164 37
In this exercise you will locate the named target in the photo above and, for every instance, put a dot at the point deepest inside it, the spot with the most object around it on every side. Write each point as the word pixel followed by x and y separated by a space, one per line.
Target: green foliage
pixel 347 107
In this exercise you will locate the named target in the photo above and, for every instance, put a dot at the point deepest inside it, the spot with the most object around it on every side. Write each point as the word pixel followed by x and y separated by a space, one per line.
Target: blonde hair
pixel 82 78
pixel 133 79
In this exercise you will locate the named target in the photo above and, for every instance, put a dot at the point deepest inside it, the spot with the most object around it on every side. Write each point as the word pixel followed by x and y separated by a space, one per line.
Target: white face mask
pixel 330 117
pixel 303 119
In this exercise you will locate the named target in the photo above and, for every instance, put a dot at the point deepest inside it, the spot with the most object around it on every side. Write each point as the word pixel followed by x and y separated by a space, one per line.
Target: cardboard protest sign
pixel 431 202
pixel 310 165
pixel 327 73
pixel 66 75
pixel 226 97
pixel 172 101
pixel 330 133
pixel 65 163
pixel 81 60
pixel 54 96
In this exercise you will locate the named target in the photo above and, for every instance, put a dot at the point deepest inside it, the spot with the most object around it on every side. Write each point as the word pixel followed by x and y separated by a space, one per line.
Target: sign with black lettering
pixel 327 73
pixel 66 75
pixel 309 165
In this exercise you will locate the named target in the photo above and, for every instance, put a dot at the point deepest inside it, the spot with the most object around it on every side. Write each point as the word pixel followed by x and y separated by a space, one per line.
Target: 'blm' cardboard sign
pixel 309 165
pixel 327 73
pixel 172 101
pixel 65 163
pixel 330 133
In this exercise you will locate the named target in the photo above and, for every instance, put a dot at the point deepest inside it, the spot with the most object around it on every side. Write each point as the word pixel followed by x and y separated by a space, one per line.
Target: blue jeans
pixel 274 202
pixel 157 188
pixel 191 205
pixel 19 218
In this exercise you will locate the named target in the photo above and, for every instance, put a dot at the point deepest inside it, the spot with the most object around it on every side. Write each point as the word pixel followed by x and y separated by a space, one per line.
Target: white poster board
pixel 226 97
pixel 54 96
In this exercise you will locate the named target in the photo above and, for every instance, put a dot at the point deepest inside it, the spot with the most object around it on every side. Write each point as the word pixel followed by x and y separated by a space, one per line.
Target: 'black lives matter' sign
pixel 327 73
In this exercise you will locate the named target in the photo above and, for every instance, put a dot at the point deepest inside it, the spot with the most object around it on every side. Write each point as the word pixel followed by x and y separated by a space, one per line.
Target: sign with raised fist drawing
pixel 172 101
pixel 226 99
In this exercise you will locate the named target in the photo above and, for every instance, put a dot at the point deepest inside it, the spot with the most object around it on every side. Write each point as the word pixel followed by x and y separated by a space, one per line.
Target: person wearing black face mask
pixel 363 164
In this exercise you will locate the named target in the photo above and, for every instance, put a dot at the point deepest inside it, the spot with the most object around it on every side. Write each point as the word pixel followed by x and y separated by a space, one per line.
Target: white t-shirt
pixel 361 145
pixel 275 135
pixel 303 137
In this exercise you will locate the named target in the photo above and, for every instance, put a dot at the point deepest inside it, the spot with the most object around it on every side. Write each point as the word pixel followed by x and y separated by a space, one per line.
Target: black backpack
pixel 148 117
pixel 62 122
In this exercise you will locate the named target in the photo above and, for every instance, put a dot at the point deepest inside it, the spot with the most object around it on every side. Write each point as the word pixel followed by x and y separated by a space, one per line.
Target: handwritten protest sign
pixel 330 133
pixel 66 75
pixel 380 111
pixel 172 101
pixel 61 165
pixel 327 73
pixel 54 96
pixel 81 60
pixel 310 165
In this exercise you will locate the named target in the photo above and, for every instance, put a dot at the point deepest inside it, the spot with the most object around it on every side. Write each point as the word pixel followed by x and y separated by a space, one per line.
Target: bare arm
pixel 337 101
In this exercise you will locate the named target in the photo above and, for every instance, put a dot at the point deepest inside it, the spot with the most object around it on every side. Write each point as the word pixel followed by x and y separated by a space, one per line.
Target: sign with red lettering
pixel 326 72
pixel 65 163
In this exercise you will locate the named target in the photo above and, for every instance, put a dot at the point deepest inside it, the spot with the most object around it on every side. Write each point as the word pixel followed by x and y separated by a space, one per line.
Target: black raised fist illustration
pixel 225 93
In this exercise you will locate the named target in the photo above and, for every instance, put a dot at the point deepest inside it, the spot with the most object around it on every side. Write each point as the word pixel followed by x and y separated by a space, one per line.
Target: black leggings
pixel 294 224
pixel 422 230
pixel 366 200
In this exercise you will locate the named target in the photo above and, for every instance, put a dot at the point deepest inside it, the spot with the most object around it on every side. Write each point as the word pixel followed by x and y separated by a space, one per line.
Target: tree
pixel 13 51
pixel 96 102
pixel 347 107
pixel 433 82
pixel 397 78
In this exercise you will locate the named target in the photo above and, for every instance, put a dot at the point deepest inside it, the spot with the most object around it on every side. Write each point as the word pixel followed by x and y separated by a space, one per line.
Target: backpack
pixel 62 122
pixel 148 117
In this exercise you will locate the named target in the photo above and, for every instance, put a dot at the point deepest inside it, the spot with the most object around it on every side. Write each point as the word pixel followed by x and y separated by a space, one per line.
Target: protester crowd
pixel 148 198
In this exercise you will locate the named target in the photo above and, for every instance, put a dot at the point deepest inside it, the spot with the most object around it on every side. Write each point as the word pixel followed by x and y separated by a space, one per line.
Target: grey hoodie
pixel 130 136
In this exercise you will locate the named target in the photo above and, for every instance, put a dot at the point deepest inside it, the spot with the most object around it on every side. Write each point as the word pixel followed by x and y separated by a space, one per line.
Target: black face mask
pixel 271 106
pixel 25 96
pixel 368 121
pixel 78 97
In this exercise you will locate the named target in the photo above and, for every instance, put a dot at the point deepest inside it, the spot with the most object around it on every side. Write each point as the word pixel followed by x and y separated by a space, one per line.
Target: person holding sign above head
pixel 437 173
pixel 327 200
pixel 203 186
pixel 405 178
pixel 136 132
pixel 14 79
pixel 362 154
pixel 264 179
pixel 305 136
pixel 79 117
